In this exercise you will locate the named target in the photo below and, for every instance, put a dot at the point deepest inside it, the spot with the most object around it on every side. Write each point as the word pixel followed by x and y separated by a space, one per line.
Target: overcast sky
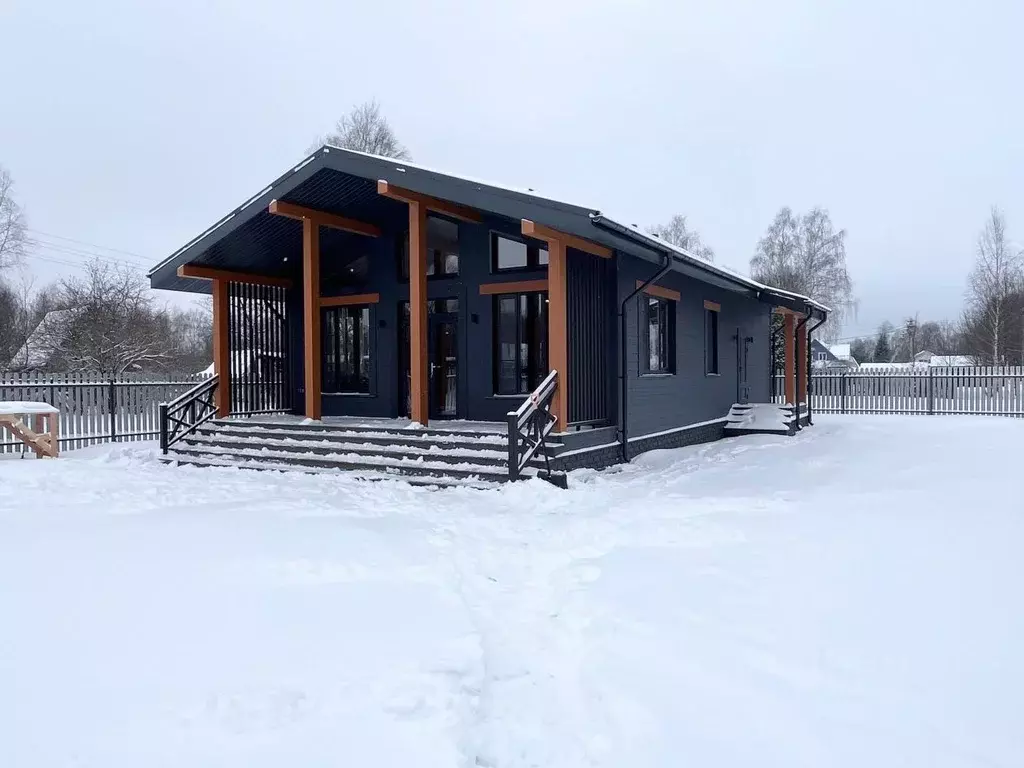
pixel 134 125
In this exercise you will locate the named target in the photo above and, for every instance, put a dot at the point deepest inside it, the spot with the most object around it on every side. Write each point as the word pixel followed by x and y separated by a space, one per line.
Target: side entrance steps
pixel 761 419
pixel 430 456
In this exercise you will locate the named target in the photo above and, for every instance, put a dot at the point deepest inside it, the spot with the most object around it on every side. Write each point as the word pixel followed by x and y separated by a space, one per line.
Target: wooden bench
pixel 43 436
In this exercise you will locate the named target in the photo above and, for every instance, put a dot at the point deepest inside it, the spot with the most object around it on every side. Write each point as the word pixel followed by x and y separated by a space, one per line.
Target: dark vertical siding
pixel 590 315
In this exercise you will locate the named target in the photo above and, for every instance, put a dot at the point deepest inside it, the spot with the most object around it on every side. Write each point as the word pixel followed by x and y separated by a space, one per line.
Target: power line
pixel 86 243
pixel 78 252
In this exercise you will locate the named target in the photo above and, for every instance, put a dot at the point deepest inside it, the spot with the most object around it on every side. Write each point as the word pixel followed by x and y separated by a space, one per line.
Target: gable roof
pixel 344 181
pixel 38 347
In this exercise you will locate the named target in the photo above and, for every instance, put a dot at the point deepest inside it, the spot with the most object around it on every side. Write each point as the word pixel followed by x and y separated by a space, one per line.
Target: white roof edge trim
pixel 657 242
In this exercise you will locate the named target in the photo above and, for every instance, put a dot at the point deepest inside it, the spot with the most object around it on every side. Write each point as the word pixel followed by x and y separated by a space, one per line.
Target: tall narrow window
pixel 346 349
pixel 710 338
pixel 442 249
pixel 659 336
pixel 507 254
pixel 520 342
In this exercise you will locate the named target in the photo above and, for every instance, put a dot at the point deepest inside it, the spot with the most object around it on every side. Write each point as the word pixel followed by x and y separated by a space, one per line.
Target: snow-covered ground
pixel 848 597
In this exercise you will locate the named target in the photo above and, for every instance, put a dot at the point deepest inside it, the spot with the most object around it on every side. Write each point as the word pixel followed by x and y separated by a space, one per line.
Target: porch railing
pixel 528 428
pixel 187 411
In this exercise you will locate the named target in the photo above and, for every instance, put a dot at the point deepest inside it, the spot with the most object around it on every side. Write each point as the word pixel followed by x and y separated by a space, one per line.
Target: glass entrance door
pixel 443 364
pixel 442 358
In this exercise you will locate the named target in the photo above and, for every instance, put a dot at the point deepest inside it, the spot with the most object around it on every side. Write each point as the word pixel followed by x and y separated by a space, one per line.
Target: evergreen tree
pixel 883 344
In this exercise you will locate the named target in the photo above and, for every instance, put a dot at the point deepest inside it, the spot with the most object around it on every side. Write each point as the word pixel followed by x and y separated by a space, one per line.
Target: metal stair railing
pixel 529 425
pixel 187 411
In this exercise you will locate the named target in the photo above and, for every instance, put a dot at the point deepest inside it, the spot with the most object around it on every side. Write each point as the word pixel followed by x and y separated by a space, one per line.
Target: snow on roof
pixel 659 244
pixel 842 351
pixel 950 361
pixel 37 349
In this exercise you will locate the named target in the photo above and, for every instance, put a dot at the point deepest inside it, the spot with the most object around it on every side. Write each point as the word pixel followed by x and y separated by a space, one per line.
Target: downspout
pixel 623 370
pixel 615 228
pixel 811 330
pixel 797 366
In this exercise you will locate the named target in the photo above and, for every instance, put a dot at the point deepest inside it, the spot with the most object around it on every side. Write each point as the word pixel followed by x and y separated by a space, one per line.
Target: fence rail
pixel 980 390
pixel 95 410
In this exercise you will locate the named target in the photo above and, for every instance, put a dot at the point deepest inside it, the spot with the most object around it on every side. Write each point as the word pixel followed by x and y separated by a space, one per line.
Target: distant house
pixel 834 358
pixel 944 361
pixel 37 352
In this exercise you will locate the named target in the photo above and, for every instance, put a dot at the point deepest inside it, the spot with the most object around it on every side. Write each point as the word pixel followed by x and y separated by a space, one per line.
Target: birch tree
pixel 12 224
pixel 365 129
pixel 807 255
pixel 992 287
pixel 679 234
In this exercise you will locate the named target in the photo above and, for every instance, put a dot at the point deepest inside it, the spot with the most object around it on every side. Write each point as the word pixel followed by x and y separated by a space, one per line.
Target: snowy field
pixel 849 597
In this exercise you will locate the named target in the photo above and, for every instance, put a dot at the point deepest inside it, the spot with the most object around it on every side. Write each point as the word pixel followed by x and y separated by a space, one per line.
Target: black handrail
pixel 529 425
pixel 187 411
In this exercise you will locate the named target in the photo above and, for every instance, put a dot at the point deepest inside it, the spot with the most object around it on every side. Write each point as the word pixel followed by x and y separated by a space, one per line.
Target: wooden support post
pixel 558 330
pixel 221 347
pixel 420 381
pixel 789 339
pixel 54 426
pixel 37 427
pixel 311 316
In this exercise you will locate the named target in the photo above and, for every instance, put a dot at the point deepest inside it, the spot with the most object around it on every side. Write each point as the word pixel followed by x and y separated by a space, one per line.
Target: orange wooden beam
pixel 349 300
pixel 209 273
pixel 323 218
pixel 454 210
pixel 714 306
pixel 311 316
pixel 221 348
pixel 788 330
pixel 516 286
pixel 659 291
pixel 419 379
pixel 540 232
pixel 558 331
pixel 801 360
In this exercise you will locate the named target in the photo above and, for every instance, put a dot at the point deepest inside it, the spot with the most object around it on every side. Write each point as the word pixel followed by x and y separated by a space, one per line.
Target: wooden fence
pixel 94 410
pixel 981 390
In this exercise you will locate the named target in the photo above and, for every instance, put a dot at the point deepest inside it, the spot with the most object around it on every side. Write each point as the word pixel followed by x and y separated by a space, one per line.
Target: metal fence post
pixel 842 394
pixel 931 391
pixel 111 406
pixel 163 427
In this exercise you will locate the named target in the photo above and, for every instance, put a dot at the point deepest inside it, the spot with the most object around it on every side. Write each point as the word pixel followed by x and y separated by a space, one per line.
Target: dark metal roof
pixel 345 182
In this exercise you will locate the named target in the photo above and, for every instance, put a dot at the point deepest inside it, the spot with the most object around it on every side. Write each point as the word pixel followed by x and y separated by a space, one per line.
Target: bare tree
pixel 365 129
pixel 110 326
pixel 677 233
pixel 12 224
pixel 997 277
pixel 808 256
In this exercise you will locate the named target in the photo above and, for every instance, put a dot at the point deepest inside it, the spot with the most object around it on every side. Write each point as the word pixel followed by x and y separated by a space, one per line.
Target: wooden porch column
pixel 311 316
pixel 221 347
pixel 788 335
pixel 558 331
pixel 419 377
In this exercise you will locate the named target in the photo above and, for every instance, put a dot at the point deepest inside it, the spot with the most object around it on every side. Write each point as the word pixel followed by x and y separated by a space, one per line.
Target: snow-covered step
pixel 345 435
pixel 760 419
pixel 354 445
pixel 349 461
pixel 270 466
pixel 383 429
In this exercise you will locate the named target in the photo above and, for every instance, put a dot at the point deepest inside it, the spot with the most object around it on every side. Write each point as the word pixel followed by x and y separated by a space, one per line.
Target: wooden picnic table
pixel 43 436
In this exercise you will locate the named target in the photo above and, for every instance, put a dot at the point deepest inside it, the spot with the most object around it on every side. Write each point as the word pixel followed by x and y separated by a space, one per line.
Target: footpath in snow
pixel 847 597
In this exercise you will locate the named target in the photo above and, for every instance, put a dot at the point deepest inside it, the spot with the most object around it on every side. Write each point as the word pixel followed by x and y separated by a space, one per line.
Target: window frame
pixel 362 357
pixel 542 365
pixel 667 340
pixel 437 259
pixel 533 251
pixel 712 338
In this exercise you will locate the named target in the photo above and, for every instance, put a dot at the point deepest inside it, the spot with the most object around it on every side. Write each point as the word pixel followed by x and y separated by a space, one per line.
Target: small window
pixel 346 349
pixel 659 336
pixel 711 341
pixel 507 253
pixel 442 249
pixel 520 342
